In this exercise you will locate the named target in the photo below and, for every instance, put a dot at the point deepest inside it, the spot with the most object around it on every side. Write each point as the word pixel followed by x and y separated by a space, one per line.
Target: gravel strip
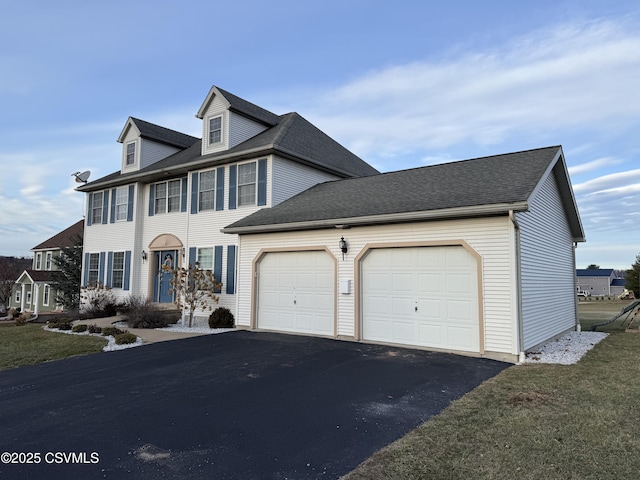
pixel 565 350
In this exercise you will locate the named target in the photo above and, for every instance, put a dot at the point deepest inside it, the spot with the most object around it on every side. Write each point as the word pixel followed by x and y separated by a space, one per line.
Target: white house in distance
pixel 309 239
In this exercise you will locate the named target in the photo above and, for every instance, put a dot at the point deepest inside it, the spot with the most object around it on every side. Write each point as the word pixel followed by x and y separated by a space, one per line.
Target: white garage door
pixel 426 296
pixel 296 292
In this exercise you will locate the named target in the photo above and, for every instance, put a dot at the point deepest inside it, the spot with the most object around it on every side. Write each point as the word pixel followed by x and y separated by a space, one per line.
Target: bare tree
pixel 10 270
pixel 194 288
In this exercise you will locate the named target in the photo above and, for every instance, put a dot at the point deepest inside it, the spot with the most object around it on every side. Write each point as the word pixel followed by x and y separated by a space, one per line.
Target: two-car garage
pixel 424 296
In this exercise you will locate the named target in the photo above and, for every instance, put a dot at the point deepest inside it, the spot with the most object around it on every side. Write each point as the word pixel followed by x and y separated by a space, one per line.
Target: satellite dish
pixel 81 177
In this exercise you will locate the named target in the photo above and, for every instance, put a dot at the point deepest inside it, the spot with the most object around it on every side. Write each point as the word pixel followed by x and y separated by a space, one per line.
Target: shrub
pixel 125 338
pixel 99 301
pixel 94 329
pixel 221 318
pixel 142 313
pixel 81 327
pixel 21 320
pixel 113 331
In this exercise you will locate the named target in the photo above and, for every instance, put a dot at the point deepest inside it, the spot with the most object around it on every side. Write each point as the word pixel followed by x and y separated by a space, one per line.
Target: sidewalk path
pixel 148 335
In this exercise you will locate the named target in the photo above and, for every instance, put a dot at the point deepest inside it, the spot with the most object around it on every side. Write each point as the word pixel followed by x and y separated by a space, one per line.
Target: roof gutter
pixel 387 218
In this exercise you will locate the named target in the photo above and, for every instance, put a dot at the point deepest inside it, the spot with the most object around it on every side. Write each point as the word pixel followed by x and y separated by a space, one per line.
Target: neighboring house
pixel 452 257
pixel 600 282
pixel 173 193
pixel 35 289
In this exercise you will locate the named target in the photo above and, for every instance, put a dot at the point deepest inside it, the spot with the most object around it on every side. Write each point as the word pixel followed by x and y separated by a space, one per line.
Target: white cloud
pixel 570 77
pixel 613 182
pixel 593 165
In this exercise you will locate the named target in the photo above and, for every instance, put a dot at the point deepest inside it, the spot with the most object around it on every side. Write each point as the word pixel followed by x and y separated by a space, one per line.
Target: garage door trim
pixel 358 319
pixel 255 278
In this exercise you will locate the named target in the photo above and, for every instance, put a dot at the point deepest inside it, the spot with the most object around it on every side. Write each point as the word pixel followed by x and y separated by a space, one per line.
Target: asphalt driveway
pixel 240 405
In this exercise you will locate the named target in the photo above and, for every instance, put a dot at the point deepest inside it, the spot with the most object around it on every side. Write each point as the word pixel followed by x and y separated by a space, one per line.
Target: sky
pixel 402 84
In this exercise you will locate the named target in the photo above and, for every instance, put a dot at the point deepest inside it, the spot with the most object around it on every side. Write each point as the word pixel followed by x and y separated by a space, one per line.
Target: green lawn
pixel 534 421
pixel 31 344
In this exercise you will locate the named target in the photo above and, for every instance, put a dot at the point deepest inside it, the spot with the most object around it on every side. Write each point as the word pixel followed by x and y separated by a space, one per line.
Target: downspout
pixel 575 287
pixel 521 353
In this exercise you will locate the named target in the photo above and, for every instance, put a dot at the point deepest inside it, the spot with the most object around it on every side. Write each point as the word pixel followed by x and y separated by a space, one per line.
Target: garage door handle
pixel 294 302
pixel 416 308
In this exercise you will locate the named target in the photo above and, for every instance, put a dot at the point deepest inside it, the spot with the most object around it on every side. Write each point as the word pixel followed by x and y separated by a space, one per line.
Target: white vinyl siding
pixel 491 238
pixel 547 267
pixel 291 178
pixel 241 128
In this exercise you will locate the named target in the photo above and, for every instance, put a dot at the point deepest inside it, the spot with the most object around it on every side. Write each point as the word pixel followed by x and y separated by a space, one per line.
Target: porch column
pixel 23 296
pixel 36 297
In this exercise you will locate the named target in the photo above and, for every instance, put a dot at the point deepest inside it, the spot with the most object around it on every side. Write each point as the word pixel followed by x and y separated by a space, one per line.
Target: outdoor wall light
pixel 343 246
pixel 144 256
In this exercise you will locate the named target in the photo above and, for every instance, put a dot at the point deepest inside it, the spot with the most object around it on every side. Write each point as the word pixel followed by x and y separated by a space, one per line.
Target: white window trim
pixel 18 293
pixel 38 261
pixel 221 130
pixel 113 270
pixel 46 294
pixel 97 269
pixel 167 196
pixel 213 254
pixel 254 183
pixel 98 208
pixel 213 189
pixel 29 296
pixel 126 153
pixel 124 189
pixel 48 261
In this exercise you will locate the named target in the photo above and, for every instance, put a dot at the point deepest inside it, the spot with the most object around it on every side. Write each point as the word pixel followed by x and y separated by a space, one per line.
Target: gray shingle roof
pixel 292 137
pixel 163 135
pixel 503 181
pixel 249 109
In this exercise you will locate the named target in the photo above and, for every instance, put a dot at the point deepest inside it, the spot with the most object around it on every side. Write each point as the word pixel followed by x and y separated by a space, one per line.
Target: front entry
pixel 164 262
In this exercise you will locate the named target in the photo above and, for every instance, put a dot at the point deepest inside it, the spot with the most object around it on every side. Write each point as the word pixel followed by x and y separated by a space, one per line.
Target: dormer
pixel 228 120
pixel 144 143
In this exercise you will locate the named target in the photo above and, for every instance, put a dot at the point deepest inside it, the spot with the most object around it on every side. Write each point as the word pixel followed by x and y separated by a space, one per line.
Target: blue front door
pixel 164 262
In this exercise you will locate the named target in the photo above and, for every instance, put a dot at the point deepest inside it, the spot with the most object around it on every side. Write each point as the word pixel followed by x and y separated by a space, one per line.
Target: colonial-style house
pixel 35 289
pixel 307 238
pixel 173 193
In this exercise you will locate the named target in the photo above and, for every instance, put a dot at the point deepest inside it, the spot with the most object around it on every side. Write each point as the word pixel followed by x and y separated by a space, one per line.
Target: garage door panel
pixel 460 311
pixel 402 306
pixel 440 281
pixel 462 338
pixel 296 292
pixel 458 283
pixel 429 283
pixel 401 282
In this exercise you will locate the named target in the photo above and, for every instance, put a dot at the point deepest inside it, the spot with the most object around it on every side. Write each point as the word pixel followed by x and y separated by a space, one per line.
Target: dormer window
pixel 131 153
pixel 215 130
